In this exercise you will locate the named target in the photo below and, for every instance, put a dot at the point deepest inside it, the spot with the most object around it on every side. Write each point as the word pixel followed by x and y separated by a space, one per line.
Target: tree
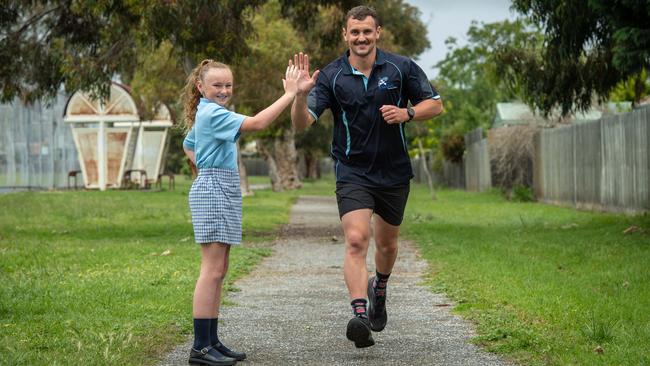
pixel 82 45
pixel 471 84
pixel 150 90
pixel 272 43
pixel 590 47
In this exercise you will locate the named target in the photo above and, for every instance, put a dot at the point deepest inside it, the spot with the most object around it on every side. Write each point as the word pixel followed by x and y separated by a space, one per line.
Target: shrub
pixel 511 156
pixel 453 148
pixel 522 194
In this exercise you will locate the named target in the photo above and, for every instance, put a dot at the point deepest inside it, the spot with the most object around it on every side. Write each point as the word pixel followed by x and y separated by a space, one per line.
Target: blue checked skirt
pixel 215 203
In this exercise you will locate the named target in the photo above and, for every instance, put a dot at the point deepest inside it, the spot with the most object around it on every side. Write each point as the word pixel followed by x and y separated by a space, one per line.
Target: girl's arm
pixel 264 118
pixel 190 154
pixel 188 145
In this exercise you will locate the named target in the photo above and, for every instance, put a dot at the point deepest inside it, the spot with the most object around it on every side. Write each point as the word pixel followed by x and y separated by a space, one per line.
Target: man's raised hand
pixel 305 82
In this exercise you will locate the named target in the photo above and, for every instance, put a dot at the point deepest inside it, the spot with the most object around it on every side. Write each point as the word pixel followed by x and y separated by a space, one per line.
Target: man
pixel 368 91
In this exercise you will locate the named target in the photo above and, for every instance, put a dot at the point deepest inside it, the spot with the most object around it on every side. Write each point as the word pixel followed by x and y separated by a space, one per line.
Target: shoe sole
pixel 359 333
pixel 197 361
pixel 371 299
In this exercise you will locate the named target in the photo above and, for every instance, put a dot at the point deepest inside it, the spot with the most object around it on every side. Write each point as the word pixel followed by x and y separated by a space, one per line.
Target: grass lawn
pixel 106 278
pixel 546 285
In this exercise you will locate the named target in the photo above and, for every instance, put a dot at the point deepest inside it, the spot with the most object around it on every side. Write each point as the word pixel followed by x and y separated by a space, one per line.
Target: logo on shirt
pixel 384 84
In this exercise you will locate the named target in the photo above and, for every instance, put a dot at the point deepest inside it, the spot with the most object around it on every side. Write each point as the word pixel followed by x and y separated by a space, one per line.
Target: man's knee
pixel 388 248
pixel 357 242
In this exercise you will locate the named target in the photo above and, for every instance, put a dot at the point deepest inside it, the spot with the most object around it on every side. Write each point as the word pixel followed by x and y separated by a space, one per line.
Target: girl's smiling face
pixel 217 85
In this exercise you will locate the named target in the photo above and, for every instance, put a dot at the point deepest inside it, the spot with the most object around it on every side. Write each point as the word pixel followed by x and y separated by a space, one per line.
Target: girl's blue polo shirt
pixel 214 135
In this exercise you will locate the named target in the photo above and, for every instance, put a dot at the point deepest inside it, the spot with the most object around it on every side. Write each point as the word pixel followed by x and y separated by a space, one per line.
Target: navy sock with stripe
pixel 380 284
pixel 359 308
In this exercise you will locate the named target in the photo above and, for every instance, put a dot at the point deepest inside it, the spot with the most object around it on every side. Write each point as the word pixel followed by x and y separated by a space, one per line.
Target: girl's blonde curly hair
pixel 191 93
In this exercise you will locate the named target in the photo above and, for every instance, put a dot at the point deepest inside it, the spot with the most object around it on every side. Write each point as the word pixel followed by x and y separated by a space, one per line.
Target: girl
pixel 215 196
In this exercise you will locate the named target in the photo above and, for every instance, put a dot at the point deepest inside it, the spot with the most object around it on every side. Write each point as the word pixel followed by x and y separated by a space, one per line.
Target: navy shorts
pixel 387 202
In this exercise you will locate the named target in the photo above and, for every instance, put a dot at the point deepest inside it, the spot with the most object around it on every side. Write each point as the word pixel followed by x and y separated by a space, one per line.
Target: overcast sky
pixel 452 19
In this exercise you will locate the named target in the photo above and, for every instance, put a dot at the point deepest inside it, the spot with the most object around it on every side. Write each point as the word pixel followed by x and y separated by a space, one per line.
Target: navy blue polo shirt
pixel 365 148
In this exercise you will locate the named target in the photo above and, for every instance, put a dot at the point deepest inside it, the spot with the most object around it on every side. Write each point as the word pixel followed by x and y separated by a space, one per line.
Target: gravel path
pixel 293 308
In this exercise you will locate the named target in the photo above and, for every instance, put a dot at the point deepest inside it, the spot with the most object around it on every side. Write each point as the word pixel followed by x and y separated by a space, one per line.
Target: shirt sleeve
pixel 320 97
pixel 418 87
pixel 225 125
pixel 190 140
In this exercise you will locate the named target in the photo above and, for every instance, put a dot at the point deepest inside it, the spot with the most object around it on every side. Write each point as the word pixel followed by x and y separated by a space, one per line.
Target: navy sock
pixel 201 333
pixel 214 327
pixel 359 308
pixel 380 284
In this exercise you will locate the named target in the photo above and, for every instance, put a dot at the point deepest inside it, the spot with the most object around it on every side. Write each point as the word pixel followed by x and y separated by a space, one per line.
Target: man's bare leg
pixel 356 227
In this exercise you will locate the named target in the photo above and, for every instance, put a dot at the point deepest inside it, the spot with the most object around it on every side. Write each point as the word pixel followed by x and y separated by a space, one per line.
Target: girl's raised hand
pixel 290 81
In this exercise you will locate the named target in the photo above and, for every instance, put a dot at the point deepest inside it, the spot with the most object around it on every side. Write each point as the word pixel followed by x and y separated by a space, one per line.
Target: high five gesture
pixel 300 116
pixel 305 82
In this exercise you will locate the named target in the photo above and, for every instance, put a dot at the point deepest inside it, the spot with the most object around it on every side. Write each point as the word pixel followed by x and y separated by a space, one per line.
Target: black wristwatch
pixel 411 112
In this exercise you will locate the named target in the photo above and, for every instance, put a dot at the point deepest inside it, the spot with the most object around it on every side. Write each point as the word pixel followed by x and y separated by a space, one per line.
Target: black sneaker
pixel 210 356
pixel 239 356
pixel 359 332
pixel 376 309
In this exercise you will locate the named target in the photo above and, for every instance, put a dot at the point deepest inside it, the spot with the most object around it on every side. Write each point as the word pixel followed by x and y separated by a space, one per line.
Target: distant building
pixel 36 148
pixel 517 113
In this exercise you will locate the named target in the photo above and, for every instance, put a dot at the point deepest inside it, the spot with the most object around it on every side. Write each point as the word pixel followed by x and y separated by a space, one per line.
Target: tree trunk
pixel 423 163
pixel 312 166
pixel 282 159
pixel 243 177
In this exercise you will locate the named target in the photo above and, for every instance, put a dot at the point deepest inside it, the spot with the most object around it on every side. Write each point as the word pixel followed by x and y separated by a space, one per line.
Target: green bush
pixel 522 194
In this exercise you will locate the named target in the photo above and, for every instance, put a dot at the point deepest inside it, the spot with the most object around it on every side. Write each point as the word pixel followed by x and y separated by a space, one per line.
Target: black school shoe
pixel 210 356
pixel 359 332
pixel 376 309
pixel 239 356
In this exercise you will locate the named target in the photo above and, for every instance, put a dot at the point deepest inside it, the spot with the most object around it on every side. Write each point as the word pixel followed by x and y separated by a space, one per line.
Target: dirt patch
pixel 293 232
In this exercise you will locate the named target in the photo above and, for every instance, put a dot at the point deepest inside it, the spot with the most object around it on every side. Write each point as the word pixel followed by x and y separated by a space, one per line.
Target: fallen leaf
pixel 631 229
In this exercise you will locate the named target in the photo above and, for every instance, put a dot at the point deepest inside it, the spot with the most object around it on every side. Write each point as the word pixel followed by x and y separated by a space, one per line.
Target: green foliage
pixel 148 85
pixel 632 88
pixel 590 47
pixel 321 24
pixel 522 193
pixel 259 77
pixel 545 285
pixel 599 330
pixel 82 45
pixel 453 148
pixel 470 83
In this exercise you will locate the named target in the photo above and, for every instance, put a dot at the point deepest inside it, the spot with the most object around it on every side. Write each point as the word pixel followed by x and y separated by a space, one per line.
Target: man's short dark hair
pixel 360 13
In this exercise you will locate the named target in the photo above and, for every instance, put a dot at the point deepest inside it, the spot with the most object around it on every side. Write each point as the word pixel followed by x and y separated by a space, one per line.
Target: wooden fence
pixel 477 162
pixel 603 164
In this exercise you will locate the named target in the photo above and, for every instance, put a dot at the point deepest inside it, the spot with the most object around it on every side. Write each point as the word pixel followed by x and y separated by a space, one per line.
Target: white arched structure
pixel 111 139
pixel 150 146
